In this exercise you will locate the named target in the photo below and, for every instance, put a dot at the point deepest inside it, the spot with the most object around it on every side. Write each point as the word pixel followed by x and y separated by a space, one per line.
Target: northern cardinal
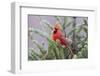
pixel 58 35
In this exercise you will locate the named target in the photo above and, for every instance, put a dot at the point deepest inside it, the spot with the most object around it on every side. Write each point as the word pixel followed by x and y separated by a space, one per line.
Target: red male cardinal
pixel 58 35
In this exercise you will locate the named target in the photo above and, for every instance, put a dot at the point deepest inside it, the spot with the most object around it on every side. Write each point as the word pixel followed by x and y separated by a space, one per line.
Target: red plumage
pixel 58 35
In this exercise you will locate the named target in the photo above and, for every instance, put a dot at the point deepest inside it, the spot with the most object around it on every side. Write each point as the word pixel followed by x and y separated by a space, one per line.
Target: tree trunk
pixel 74 45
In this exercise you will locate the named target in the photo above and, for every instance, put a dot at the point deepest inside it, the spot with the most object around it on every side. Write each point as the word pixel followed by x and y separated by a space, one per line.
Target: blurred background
pixel 74 28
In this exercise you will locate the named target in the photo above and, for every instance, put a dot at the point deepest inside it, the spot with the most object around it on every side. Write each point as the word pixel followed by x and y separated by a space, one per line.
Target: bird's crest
pixel 58 26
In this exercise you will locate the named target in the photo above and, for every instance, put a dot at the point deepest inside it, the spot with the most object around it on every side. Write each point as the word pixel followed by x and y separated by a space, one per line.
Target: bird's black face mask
pixel 55 30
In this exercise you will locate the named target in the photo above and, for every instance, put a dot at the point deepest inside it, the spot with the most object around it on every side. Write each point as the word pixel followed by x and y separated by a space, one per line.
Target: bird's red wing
pixel 63 40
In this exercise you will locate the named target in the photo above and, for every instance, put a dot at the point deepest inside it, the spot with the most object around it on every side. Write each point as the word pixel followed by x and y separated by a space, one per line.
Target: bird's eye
pixel 55 28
